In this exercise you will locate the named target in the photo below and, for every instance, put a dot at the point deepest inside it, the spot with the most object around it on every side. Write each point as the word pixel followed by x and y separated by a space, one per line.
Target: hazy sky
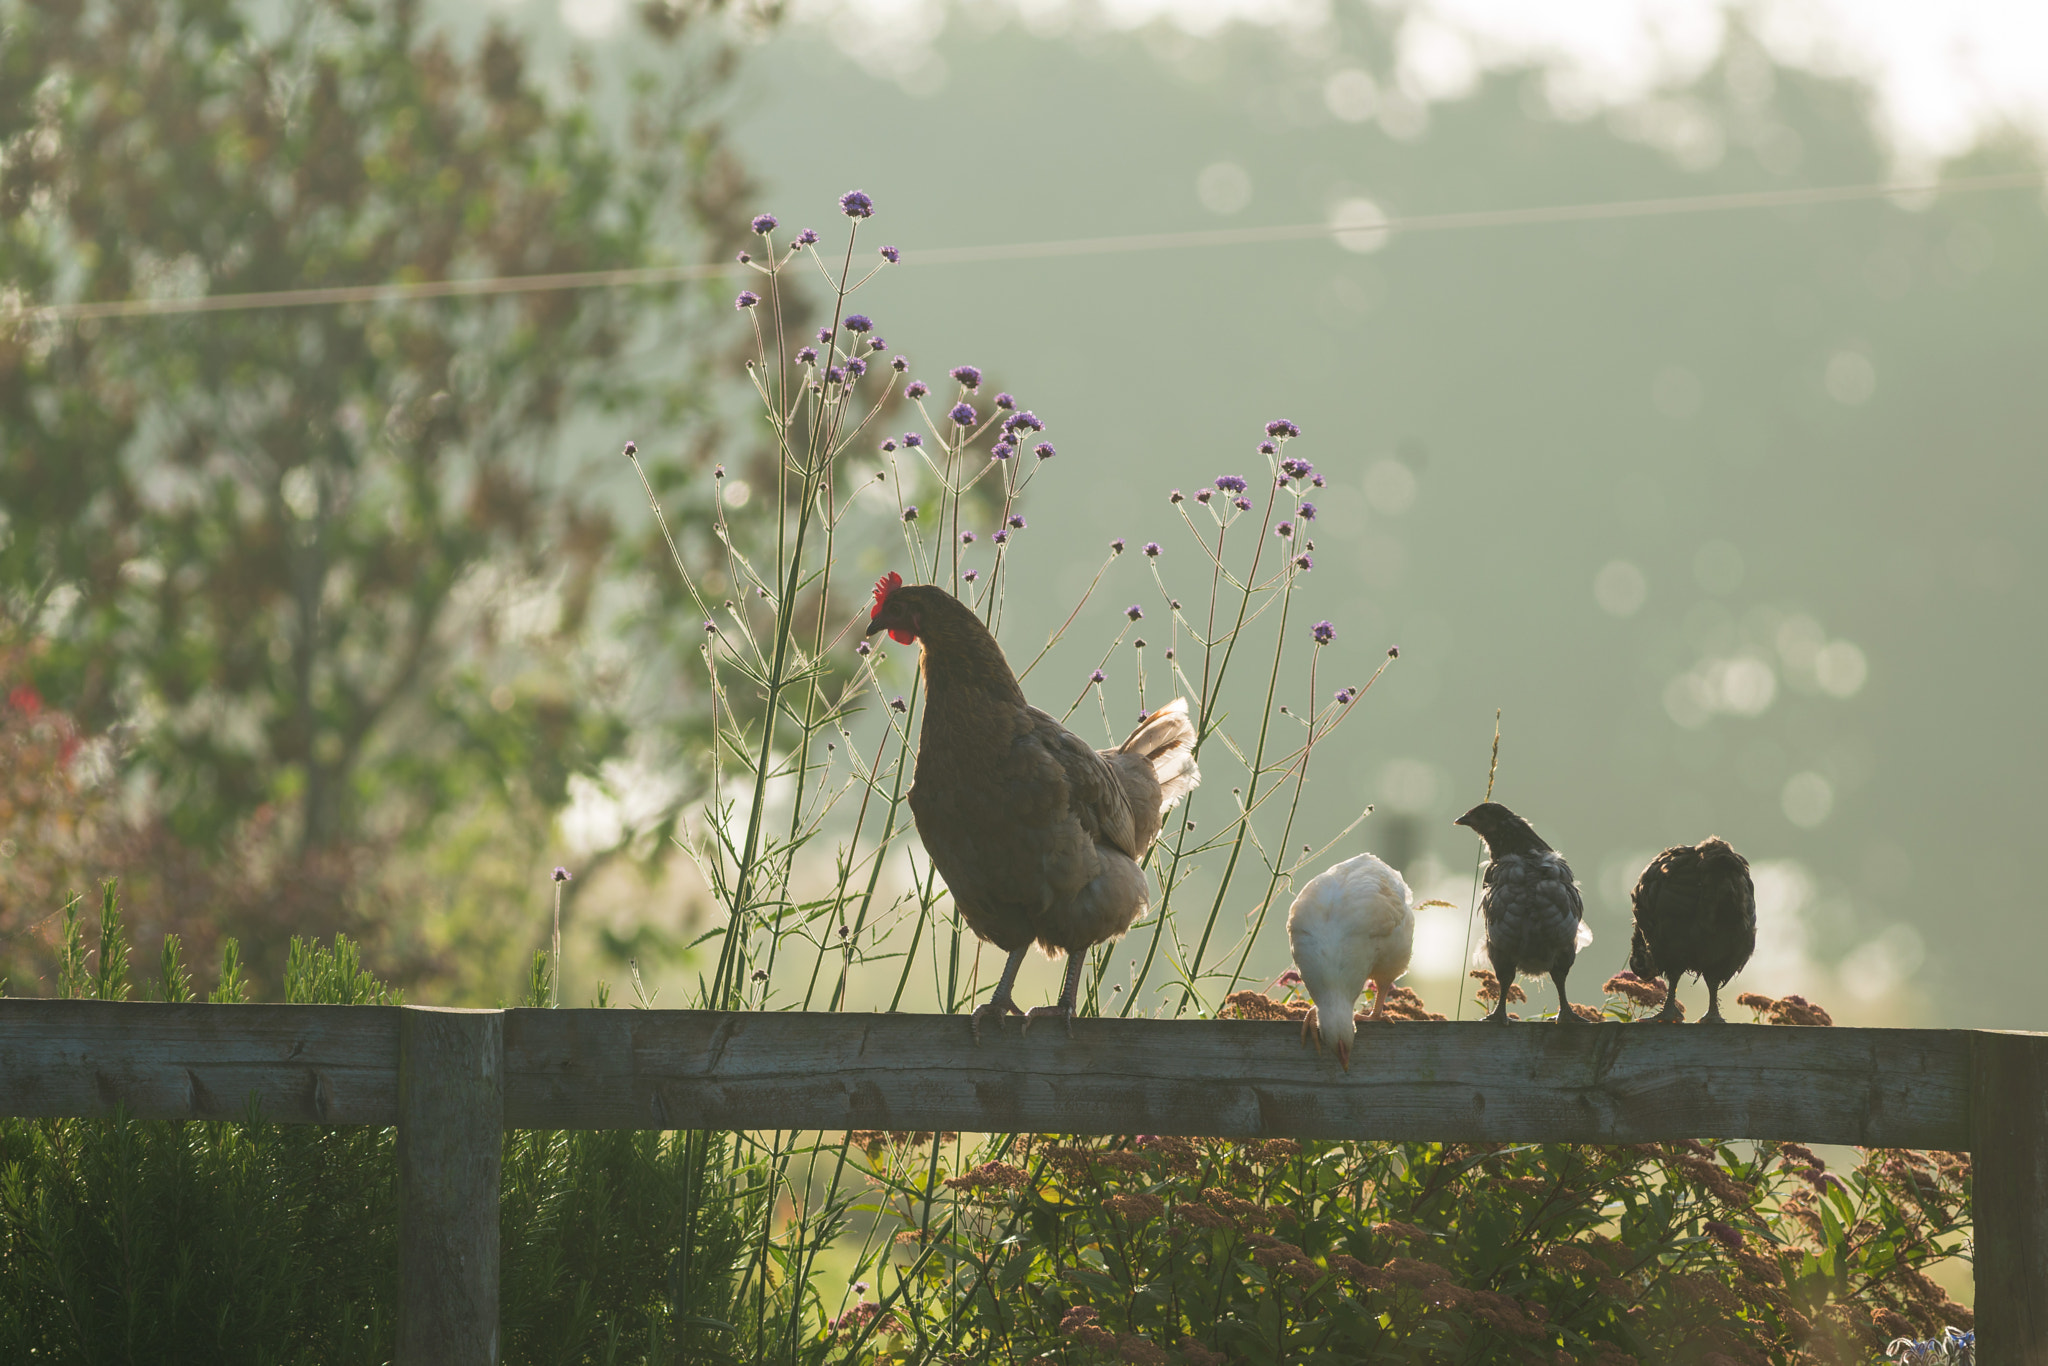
pixel 1943 71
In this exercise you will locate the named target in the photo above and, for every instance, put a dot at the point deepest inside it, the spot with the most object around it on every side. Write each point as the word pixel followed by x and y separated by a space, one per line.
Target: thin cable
pixel 1030 251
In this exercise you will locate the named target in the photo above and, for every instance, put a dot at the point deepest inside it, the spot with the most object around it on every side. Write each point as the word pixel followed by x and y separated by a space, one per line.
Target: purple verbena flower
pixel 858 323
pixel 807 238
pixel 1307 512
pixel 899 364
pixel 561 873
pixel 748 298
pixel 764 223
pixel 1267 448
pixel 1283 528
pixel 910 513
pixel 1002 450
pixel 1016 521
pixel 963 415
pixel 1324 633
pixel 890 444
pixel 1151 550
pixel 1344 696
pixel 856 367
pixel 835 375
pixel 1231 483
pixel 971 575
pixel 1017 422
pixel 1242 504
pixel 877 344
pixel 1393 652
pixel 1204 495
pixel 916 389
pixel 710 628
pixel 743 258
pixel 911 441
pixel 1000 537
pixel 891 255
pixel 968 375
pixel 1289 978
pixel 863 649
pixel 1174 497
pixel 854 204
pixel 824 336
pixel 967 538
pixel 1302 561
pixel 1097 676
pixel 1005 402
pixel 1316 482
pixel 897 704
pixel 1294 467
pixel 807 355
pixel 1134 612
pixel 1282 428
pixel 1116 547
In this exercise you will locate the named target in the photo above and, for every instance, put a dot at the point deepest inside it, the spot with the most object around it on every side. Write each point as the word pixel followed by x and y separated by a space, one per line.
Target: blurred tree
pixel 321 569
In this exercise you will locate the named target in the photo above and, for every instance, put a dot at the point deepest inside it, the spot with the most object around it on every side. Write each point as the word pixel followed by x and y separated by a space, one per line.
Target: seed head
pixel 1393 652
pixel 854 204
pixel 764 223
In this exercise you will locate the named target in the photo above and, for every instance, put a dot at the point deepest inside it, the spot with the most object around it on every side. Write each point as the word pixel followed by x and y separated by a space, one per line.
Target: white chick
pixel 1352 924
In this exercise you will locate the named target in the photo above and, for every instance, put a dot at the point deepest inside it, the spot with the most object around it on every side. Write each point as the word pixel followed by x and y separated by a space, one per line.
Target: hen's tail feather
pixel 1167 740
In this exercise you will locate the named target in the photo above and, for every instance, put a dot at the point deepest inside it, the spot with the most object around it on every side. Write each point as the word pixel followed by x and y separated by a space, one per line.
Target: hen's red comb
pixel 884 586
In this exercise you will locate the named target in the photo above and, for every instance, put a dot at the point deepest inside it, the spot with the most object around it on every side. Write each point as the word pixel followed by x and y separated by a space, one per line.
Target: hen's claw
pixel 1063 1011
pixel 998 1009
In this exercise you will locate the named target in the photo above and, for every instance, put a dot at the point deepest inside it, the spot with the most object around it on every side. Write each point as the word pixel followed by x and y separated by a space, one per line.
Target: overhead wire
pixel 485 286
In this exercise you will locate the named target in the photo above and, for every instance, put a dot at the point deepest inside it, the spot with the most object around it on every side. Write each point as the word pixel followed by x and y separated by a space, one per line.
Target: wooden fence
pixel 453 1080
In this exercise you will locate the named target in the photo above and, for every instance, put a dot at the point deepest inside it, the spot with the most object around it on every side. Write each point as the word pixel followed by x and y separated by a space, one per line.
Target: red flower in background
pixel 26 700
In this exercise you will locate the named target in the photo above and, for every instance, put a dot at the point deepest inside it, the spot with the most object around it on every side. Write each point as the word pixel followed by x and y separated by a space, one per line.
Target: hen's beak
pixel 874 625
pixel 1344 1055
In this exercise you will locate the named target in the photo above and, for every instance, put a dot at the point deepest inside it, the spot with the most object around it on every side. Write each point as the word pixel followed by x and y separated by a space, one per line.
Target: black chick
pixel 1695 912
pixel 1535 919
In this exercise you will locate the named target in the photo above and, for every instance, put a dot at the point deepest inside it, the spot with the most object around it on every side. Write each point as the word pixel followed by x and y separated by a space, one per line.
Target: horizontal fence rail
pixel 453 1080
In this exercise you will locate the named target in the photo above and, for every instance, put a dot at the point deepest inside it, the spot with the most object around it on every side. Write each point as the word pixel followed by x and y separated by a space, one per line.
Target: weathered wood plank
pixel 1452 1081
pixel 2009 1162
pixel 451 1143
pixel 303 1064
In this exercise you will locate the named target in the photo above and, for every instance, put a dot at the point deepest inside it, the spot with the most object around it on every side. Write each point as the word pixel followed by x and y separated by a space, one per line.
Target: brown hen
pixel 1037 834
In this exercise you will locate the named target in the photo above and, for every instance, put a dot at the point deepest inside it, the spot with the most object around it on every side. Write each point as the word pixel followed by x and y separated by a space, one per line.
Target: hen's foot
pixel 1062 1011
pixel 1669 1014
pixel 1714 1016
pixel 994 1010
pixel 1566 1015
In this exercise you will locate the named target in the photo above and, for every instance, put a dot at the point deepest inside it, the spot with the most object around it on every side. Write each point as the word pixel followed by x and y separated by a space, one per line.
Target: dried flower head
pixel 632 449
pixel 764 223
pixel 1175 497
pixel 1204 495
pixel 968 375
pixel 743 258
pixel 898 704
pixel 1393 652
pixel 1324 632
pixel 863 649
pixel 710 628
pixel 1241 504
pixel 747 299
pixel 858 323
pixel 854 204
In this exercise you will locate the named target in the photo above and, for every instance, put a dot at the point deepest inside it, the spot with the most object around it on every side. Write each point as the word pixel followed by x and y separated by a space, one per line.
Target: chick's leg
pixel 1000 1003
pixel 1070 992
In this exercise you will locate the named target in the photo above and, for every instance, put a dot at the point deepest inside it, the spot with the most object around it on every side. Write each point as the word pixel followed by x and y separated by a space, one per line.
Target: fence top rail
pixel 675 1069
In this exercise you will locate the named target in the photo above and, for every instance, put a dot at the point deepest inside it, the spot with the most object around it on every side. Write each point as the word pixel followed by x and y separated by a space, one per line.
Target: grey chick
pixel 1535 920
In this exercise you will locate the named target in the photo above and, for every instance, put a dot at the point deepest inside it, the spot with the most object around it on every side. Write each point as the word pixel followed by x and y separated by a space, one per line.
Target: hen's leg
pixel 1070 992
pixel 1670 1013
pixel 1504 974
pixel 1309 1031
pixel 999 1004
pixel 1565 1013
pixel 1713 1015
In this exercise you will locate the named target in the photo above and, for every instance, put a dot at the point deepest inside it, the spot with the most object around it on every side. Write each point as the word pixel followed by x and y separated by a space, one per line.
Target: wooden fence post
pixel 451 1133
pixel 2009 1159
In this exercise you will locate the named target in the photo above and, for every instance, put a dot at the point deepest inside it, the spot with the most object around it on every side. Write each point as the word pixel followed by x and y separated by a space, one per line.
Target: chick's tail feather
pixel 1166 739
